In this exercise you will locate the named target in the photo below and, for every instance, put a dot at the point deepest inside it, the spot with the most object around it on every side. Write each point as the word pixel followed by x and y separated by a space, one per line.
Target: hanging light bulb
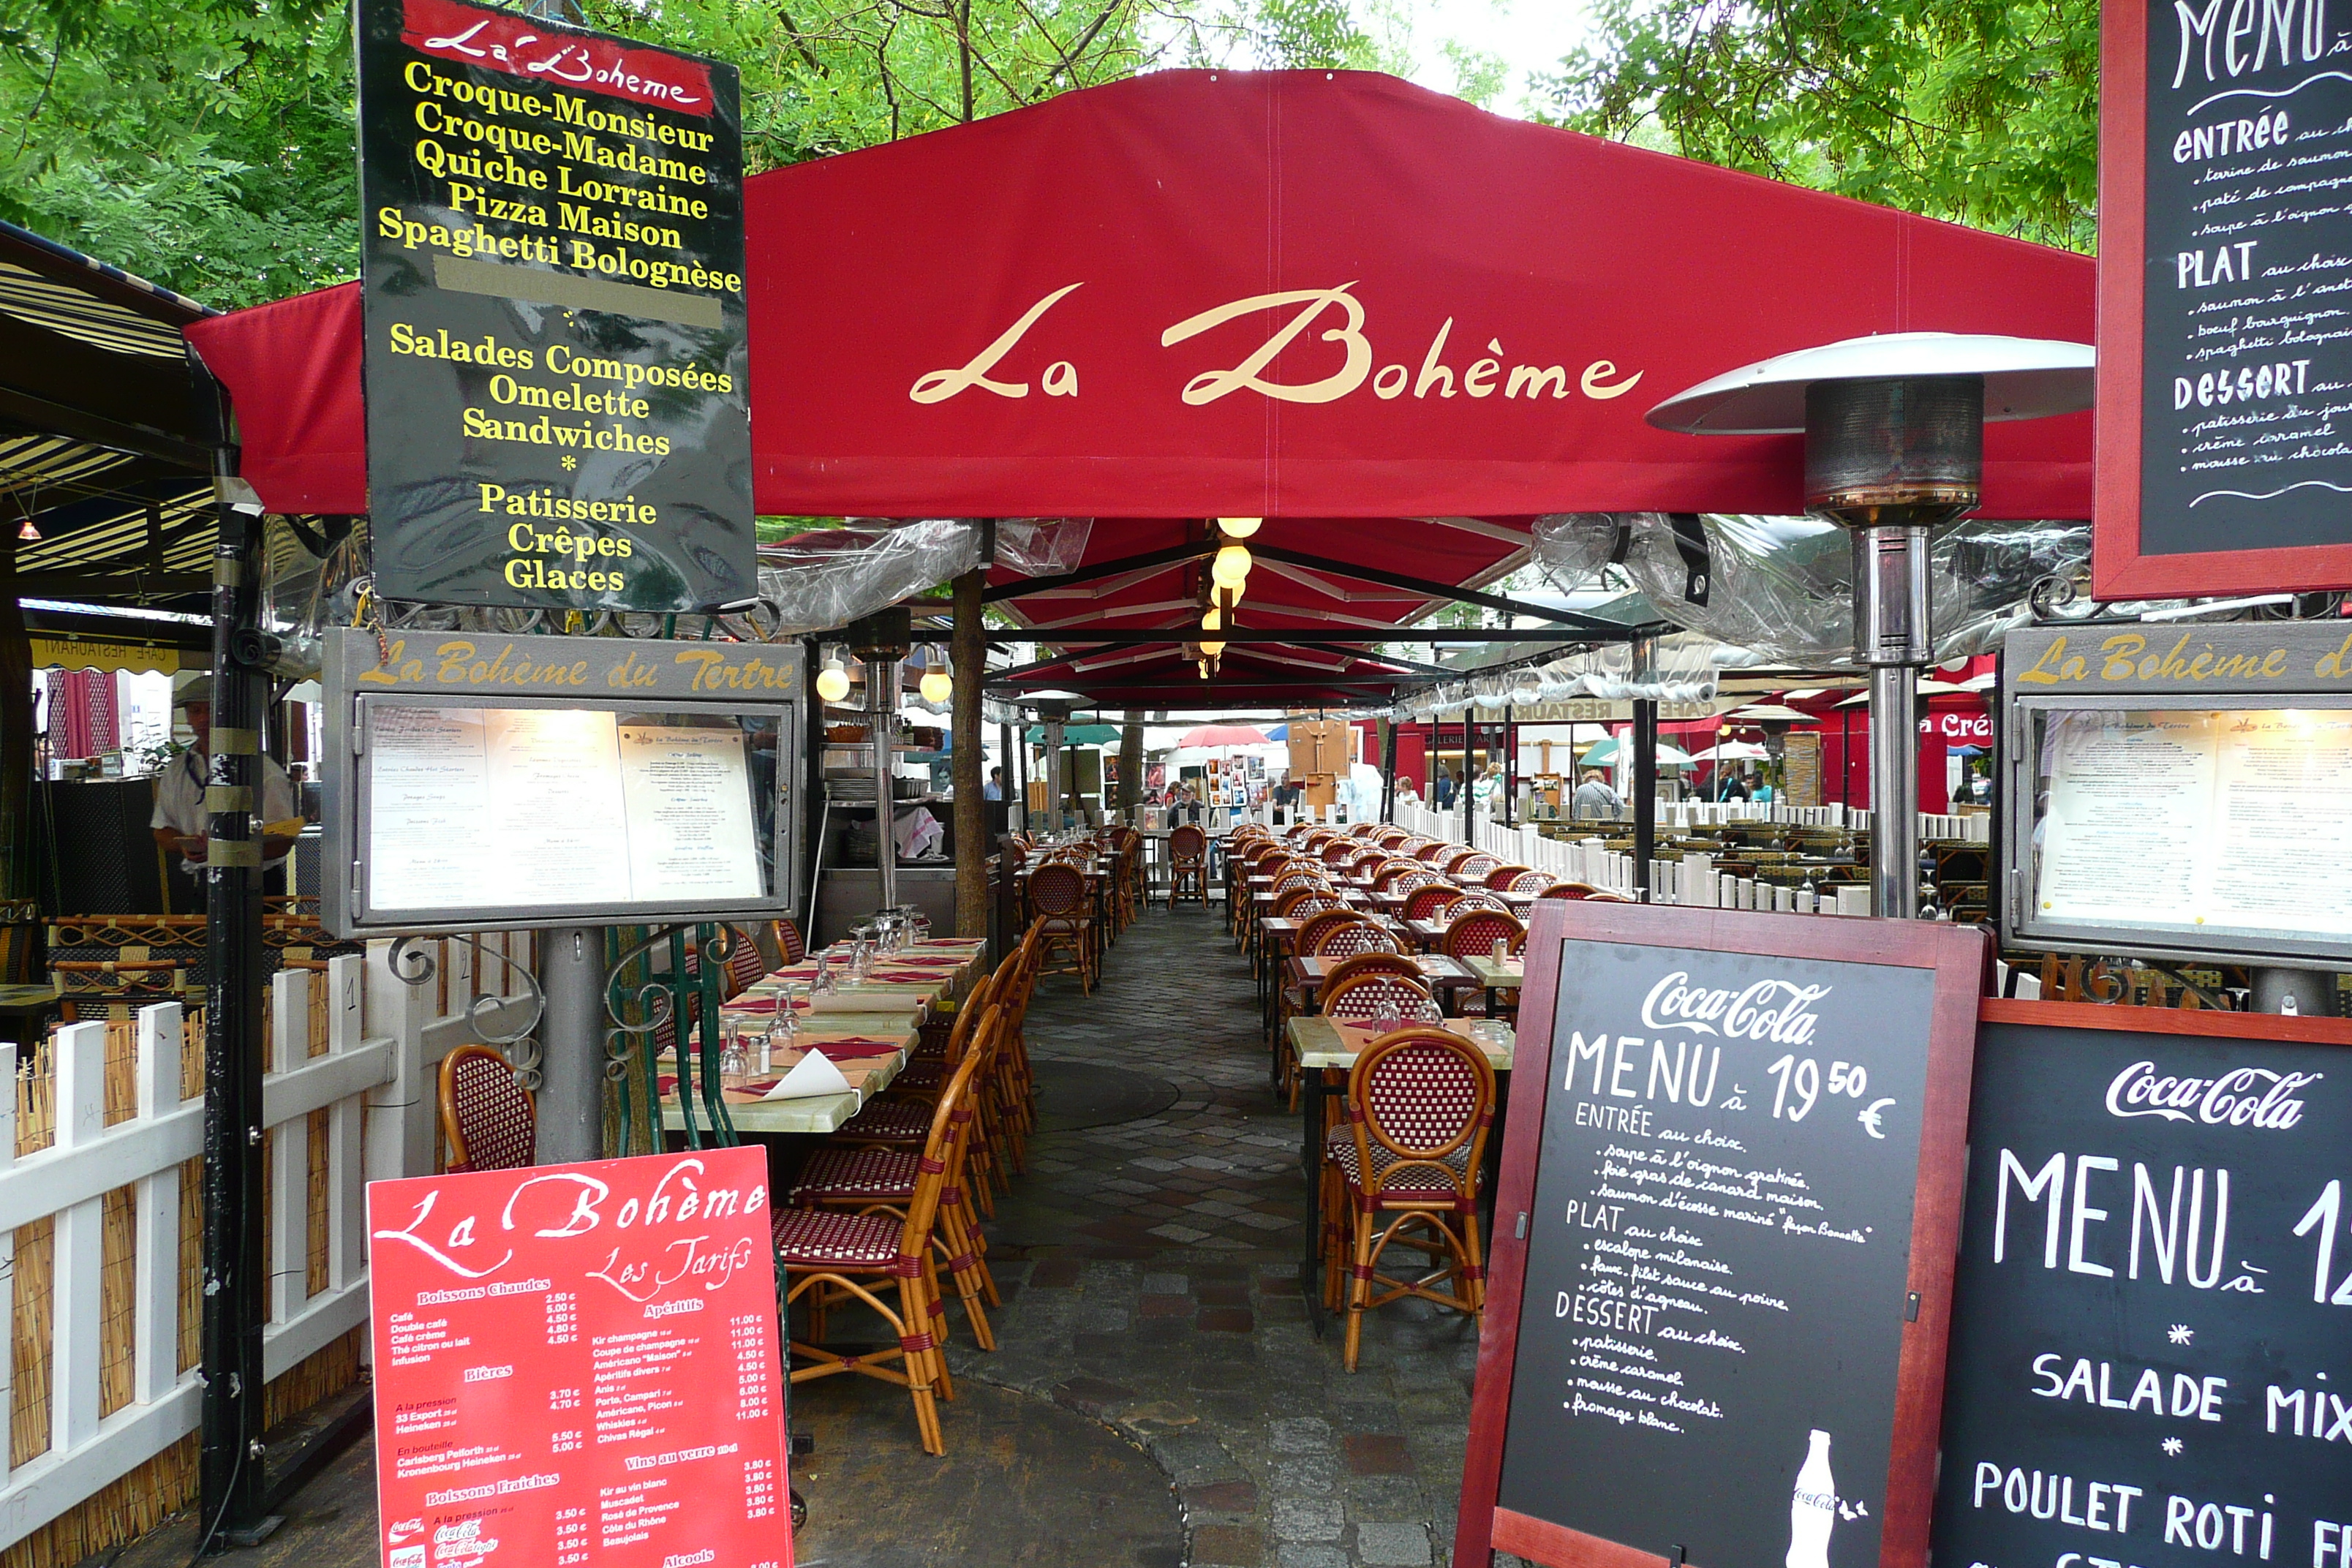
pixel 833 680
pixel 937 685
pixel 1231 568
pixel 1204 670
pixel 28 534
pixel 1239 526
pixel 1213 649
pixel 1211 620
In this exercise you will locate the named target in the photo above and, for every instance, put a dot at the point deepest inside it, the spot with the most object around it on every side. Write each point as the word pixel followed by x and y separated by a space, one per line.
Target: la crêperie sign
pixel 557 355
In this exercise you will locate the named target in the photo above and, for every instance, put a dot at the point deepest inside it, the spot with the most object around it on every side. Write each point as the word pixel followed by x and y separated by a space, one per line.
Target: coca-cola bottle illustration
pixel 1812 1508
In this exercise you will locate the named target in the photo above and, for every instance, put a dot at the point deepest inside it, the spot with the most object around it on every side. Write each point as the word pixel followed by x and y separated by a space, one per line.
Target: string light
pixel 1239 526
pixel 28 534
pixel 833 680
pixel 1231 568
pixel 937 684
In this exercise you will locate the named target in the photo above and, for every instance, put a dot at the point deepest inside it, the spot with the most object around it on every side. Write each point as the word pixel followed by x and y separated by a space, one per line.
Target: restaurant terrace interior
pixel 1168 1310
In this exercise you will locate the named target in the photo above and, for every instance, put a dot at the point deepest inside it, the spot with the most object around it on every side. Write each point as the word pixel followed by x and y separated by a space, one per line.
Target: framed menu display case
pixel 2176 792
pixel 478 781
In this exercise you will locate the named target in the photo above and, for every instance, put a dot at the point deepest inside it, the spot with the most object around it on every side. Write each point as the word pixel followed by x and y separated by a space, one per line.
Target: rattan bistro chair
pixel 1187 865
pixel 1502 878
pixel 1421 1103
pixel 876 1177
pixel 1431 900
pixel 1064 909
pixel 829 1257
pixel 487 1114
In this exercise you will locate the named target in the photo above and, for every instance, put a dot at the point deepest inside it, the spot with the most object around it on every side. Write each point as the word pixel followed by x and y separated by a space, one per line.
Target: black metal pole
pixel 1646 792
pixel 232 1492
pixel 1387 769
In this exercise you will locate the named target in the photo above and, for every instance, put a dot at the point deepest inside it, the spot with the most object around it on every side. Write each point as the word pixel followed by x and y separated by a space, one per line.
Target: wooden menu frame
pixel 2118 569
pixel 1960 959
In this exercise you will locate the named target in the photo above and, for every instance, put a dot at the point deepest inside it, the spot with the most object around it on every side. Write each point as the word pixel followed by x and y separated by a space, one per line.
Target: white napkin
pixel 811 1076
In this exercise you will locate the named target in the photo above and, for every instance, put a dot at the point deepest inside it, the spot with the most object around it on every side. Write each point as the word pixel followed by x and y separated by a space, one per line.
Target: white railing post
pixel 400 1113
pixel 290 1171
pixel 346 1182
pixel 79 1244
pixel 155 1295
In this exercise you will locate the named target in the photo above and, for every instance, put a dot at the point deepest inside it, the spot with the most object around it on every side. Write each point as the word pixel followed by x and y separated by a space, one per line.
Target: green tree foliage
pixel 1983 112
pixel 207 144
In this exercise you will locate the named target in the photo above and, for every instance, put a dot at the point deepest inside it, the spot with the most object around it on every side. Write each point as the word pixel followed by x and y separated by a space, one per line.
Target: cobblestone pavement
pixel 1151 1276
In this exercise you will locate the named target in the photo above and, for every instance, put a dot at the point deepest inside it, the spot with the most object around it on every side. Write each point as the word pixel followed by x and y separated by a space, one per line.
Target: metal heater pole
pixel 570 1101
pixel 882 705
pixel 1646 792
pixel 1890 564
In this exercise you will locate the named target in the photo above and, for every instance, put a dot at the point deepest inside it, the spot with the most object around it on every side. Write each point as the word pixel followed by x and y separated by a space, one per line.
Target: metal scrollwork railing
pixel 414 965
pixel 638 1000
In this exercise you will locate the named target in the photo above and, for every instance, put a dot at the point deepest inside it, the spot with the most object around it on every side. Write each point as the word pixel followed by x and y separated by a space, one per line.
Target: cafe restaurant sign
pixel 556 362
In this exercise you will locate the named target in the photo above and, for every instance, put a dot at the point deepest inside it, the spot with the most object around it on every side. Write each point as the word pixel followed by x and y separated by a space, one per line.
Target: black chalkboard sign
pixel 557 348
pixel 2226 253
pixel 1735 1141
pixel 2151 1359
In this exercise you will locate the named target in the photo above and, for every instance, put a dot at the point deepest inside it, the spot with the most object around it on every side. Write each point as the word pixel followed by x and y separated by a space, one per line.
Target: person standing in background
pixel 1594 797
pixel 180 820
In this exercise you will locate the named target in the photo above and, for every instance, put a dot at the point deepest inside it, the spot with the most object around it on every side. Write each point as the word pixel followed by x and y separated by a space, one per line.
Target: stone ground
pixel 1151 1276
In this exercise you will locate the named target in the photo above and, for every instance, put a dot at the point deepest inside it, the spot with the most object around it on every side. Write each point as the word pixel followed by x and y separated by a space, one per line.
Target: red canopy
pixel 1302 294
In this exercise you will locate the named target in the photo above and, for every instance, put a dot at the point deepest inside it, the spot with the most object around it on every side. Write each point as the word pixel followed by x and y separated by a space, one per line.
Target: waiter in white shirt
pixel 180 818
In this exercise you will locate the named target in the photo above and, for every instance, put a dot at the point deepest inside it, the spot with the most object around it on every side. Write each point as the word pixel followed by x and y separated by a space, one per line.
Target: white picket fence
pixel 376 1082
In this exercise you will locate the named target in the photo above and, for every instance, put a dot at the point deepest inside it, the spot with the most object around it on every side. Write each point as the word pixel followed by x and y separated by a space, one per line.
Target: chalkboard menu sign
pixel 1725 1236
pixel 2225 253
pixel 2151 1358
pixel 556 358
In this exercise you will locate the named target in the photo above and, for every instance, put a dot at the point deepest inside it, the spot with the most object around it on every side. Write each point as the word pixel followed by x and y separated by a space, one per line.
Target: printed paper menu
pixel 475 807
pixel 578 1363
pixel 2226 821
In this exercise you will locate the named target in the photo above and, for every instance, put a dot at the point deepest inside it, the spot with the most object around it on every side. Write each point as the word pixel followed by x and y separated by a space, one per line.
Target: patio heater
pixel 1894 428
pixel 880 641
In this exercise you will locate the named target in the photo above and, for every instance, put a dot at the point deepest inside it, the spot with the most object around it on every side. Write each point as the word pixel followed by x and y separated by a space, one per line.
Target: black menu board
pixel 2248 373
pixel 2151 1358
pixel 557 355
pixel 2225 247
pixel 1722 1264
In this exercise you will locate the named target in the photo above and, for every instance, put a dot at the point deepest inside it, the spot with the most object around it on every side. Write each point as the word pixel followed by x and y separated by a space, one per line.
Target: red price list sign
pixel 577 1364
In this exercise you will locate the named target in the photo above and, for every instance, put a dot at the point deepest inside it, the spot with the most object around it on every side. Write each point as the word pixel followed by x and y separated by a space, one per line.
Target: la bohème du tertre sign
pixel 558 412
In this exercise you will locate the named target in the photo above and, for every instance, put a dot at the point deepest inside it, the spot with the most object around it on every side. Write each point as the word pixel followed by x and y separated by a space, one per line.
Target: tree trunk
pixel 969 656
pixel 1131 764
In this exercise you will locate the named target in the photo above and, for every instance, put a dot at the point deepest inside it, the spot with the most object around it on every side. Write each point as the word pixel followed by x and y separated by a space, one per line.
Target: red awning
pixel 1068 309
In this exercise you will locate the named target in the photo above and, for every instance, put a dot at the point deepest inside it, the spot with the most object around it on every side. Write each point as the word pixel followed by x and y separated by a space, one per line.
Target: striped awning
pixel 101 446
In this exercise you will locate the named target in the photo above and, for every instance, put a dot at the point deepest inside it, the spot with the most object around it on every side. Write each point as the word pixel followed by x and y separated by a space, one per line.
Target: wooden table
pixel 817 1113
pixel 1507 975
pixel 1322 1051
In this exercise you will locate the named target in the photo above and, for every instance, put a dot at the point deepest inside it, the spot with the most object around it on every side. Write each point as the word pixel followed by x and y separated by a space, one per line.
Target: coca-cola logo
pixel 2241 1097
pixel 1779 1011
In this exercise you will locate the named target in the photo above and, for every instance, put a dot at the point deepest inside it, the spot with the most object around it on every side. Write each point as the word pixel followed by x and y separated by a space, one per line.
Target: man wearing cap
pixel 180 818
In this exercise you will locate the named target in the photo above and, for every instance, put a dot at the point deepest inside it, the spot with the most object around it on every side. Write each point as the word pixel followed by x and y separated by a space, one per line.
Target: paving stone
pixel 1227 1544
pixel 1223 1497
pixel 1292 1555
pixel 1299 1435
pixel 1393 1545
pixel 1305 1519
pixel 1377 1454
pixel 1164 1285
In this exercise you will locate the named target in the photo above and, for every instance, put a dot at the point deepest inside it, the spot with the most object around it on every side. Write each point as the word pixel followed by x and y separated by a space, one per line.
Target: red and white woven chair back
pixel 1187 842
pixel 1430 900
pixel 789 938
pixel 1431 853
pixel 1058 890
pixel 1301 902
pixel 1378 961
pixel 1500 878
pixel 1379 997
pixel 1423 1096
pixel 1530 882
pixel 1478 930
pixel 1475 866
pixel 745 967
pixel 1350 937
pixel 1340 852
pixel 490 1121
pixel 1451 864
pixel 1319 927
pixel 1480 899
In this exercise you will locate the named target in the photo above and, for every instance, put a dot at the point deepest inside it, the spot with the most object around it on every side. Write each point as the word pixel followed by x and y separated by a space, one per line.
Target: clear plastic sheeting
pixel 1781 587
pixel 828 577
pixel 1042 546
pixel 1680 667
pixel 308 585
